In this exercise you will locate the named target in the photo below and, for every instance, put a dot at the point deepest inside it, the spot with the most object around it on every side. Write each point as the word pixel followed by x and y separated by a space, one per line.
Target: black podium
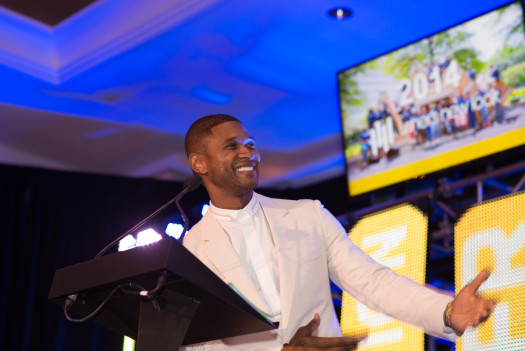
pixel 193 305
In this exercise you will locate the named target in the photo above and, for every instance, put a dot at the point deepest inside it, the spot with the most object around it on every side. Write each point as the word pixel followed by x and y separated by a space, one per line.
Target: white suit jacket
pixel 312 247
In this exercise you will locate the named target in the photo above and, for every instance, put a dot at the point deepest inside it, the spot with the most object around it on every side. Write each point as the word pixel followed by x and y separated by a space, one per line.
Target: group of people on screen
pixel 427 124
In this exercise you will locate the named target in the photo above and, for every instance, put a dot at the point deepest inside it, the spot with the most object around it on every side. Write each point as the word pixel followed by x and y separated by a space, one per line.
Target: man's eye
pixel 231 146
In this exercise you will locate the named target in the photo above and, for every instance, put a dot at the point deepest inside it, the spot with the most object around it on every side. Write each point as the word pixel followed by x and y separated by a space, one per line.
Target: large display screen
pixel 491 236
pixel 396 238
pixel 488 236
pixel 447 99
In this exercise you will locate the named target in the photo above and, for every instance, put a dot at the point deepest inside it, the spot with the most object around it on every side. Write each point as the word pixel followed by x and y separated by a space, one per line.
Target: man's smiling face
pixel 232 159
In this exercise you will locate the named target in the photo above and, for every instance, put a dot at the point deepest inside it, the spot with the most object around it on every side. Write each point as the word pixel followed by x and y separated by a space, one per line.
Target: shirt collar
pixel 222 214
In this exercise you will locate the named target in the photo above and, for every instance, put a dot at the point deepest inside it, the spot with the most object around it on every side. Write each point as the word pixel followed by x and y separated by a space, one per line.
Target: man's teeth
pixel 246 168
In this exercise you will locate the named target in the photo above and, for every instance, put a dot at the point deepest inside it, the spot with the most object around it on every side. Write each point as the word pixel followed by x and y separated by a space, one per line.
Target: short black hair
pixel 199 132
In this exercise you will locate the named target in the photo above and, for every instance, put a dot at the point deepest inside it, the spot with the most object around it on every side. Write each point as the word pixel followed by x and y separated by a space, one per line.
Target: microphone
pixel 189 185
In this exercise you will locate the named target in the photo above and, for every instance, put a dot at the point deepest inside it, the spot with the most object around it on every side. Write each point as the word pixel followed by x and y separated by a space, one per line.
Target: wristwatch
pixel 446 315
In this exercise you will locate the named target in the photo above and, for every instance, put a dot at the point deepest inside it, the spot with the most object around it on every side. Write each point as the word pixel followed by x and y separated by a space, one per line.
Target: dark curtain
pixel 50 220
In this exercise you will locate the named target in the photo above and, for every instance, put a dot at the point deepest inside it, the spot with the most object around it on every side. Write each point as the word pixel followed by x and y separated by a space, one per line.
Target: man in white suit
pixel 280 255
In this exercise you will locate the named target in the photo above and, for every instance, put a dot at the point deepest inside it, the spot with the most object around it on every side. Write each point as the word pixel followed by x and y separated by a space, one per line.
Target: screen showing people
pixel 447 99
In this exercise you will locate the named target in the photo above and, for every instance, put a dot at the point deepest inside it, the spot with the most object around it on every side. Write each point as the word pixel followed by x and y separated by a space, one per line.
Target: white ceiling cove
pixel 113 88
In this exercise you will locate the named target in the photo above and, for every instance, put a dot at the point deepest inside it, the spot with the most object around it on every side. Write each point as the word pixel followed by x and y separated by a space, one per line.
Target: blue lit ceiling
pixel 113 88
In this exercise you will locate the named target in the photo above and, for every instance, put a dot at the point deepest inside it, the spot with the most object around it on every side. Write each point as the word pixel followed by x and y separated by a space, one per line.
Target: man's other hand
pixel 304 341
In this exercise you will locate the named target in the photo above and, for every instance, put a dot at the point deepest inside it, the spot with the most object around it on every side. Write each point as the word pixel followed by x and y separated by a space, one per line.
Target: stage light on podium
pixel 128 242
pixel 174 230
pixel 148 236
pixel 205 208
pixel 145 237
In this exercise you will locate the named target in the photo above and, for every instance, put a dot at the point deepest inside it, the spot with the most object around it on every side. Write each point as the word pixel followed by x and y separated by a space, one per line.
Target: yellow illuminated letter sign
pixel 492 236
pixel 396 238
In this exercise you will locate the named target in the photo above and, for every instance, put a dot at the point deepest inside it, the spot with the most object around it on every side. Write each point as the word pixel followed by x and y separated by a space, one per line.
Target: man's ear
pixel 198 163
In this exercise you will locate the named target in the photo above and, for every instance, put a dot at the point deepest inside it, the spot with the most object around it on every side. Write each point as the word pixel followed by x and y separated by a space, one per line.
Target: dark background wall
pixel 50 220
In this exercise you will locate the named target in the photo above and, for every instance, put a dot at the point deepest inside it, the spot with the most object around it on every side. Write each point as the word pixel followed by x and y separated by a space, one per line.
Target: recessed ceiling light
pixel 340 13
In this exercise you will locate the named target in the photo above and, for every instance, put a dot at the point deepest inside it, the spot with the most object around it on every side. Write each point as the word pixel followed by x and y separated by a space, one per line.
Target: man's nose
pixel 250 153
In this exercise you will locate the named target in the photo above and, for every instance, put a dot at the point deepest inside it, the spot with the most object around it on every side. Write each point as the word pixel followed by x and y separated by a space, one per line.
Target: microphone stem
pixel 184 219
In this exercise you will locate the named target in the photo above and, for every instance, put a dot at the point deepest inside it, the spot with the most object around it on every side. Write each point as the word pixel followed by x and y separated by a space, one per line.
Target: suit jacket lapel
pixel 220 251
pixel 280 222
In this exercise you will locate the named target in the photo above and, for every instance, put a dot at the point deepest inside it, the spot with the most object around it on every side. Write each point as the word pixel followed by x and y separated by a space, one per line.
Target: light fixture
pixel 205 208
pixel 128 242
pixel 340 13
pixel 174 230
pixel 148 236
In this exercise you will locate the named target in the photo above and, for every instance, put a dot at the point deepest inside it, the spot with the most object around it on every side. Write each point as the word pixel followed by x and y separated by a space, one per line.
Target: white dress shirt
pixel 251 238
